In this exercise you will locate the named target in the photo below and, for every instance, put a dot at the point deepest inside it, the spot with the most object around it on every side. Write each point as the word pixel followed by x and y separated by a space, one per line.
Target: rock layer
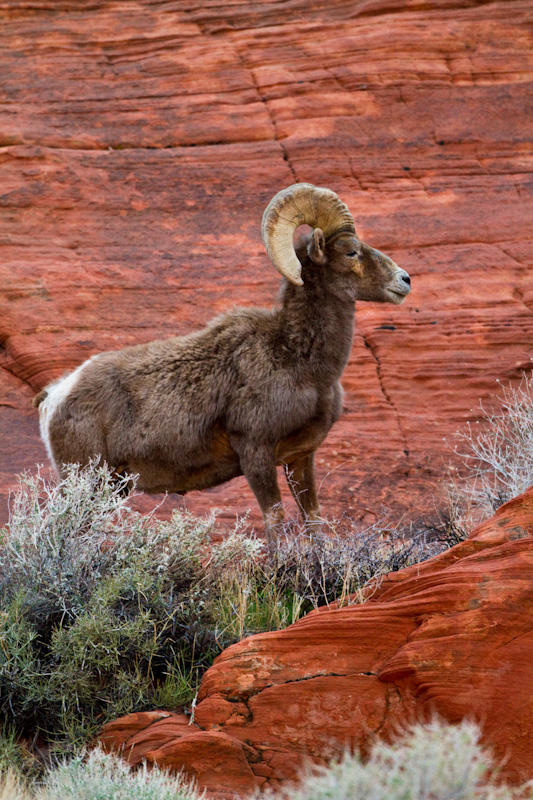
pixel 139 147
pixel 452 636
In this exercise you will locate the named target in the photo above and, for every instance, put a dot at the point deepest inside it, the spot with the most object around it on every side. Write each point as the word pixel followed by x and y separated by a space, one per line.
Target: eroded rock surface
pixel 138 151
pixel 452 636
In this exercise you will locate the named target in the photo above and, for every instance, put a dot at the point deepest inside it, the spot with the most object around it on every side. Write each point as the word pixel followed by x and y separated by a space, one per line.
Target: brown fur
pixel 38 399
pixel 253 389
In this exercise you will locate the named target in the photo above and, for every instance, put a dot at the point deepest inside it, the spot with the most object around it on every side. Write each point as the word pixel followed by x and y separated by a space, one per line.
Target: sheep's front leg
pixel 300 474
pixel 258 465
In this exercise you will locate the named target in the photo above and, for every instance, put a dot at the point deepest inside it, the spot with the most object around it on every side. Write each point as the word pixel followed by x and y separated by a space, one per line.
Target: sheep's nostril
pixel 406 279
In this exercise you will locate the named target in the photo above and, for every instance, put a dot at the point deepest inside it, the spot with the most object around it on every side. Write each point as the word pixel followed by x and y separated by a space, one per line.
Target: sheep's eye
pixel 352 255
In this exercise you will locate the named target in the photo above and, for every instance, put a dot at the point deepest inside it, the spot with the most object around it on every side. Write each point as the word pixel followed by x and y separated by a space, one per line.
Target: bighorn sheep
pixel 254 389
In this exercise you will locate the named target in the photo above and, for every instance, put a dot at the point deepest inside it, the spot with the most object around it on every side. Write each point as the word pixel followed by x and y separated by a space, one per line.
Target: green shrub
pixel 105 611
pixel 16 757
pixel 100 606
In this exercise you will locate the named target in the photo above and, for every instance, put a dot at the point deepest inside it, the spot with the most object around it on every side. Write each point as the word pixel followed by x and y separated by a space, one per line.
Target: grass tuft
pixel 340 563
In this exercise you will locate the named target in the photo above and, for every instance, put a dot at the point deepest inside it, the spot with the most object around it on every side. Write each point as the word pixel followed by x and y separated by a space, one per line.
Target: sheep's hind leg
pixel 258 465
pixel 300 475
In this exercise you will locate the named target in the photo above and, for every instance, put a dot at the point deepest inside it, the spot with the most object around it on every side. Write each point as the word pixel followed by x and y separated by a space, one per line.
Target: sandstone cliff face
pixel 452 636
pixel 140 143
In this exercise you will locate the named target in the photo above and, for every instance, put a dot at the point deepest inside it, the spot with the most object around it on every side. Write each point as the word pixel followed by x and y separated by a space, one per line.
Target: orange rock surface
pixel 452 636
pixel 141 141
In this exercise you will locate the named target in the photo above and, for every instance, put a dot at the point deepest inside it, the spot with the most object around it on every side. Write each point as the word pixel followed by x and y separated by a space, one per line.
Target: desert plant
pixel 335 565
pixel 101 607
pixel 16 757
pixel 500 451
pixel 13 786
pixel 105 611
pixel 436 761
pixel 98 776
pixel 495 454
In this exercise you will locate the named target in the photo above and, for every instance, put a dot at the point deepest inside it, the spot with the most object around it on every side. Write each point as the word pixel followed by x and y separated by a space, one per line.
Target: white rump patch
pixel 57 392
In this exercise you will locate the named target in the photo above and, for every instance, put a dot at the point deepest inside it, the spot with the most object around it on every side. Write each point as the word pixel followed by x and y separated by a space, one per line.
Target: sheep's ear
pixel 316 249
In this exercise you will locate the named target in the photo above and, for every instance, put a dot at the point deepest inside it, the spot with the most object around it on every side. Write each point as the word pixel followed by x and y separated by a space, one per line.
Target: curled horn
pixel 300 204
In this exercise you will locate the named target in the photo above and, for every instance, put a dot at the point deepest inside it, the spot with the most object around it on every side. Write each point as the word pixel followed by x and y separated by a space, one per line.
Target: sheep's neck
pixel 317 329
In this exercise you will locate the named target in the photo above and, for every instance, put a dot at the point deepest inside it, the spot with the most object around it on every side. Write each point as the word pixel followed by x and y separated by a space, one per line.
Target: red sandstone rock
pixel 118 732
pixel 138 151
pixel 137 734
pixel 216 762
pixel 452 636
pixel 136 161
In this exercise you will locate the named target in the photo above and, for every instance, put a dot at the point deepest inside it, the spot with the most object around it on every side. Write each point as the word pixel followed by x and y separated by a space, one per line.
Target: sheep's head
pixel 357 270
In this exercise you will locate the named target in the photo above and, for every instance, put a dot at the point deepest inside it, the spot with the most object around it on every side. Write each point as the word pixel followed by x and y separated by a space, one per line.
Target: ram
pixel 254 389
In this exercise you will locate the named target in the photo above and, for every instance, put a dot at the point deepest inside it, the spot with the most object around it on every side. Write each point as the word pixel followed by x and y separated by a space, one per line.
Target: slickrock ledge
pixel 140 143
pixel 452 636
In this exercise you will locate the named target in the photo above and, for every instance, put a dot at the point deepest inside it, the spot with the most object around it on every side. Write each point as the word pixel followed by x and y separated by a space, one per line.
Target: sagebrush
pixel 106 611
pixel 100 605
pixel 435 761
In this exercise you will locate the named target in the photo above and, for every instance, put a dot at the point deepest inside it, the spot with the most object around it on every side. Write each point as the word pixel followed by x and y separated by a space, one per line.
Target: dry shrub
pixel 13 787
pixel 337 564
pixel 97 776
pixel 436 761
pixel 496 455
pixel 105 611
